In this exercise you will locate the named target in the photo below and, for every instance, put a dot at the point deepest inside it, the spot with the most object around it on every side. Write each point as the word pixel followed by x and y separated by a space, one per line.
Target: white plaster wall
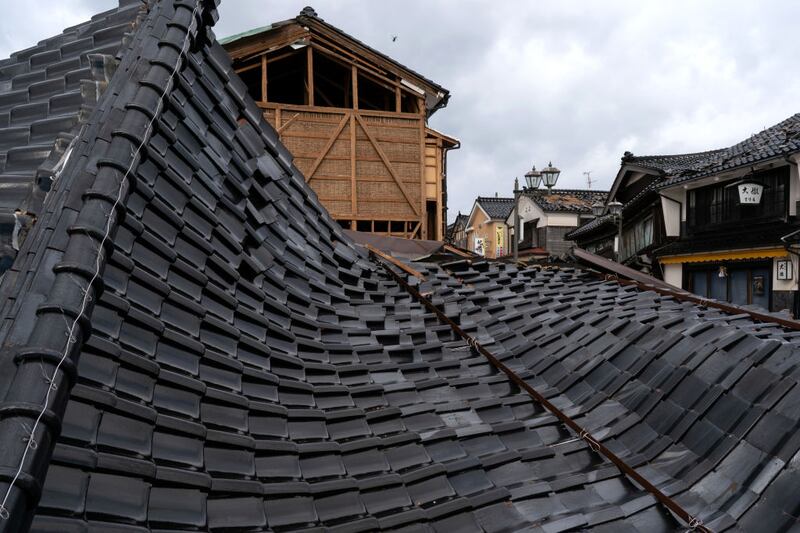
pixel 563 220
pixel 672 216
pixel 673 274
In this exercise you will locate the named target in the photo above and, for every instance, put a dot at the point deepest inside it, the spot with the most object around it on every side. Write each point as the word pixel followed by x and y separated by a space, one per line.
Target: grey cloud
pixel 573 81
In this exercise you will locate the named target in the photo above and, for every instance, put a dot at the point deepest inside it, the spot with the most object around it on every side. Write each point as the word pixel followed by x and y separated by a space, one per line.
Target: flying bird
pixel 394 38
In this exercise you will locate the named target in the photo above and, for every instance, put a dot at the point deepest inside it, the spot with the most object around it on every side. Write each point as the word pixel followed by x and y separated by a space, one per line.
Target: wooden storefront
pixel 356 123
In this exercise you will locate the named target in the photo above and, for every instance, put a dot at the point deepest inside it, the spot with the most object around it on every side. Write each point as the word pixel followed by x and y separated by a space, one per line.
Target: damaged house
pixel 356 122
pixel 190 342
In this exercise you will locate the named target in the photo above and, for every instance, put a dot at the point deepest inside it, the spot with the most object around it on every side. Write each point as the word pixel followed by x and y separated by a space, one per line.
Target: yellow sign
pixel 500 240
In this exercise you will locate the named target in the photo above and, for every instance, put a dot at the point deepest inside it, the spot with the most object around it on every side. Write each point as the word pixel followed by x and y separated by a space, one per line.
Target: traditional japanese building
pixel 457 231
pixel 355 121
pixel 636 187
pixel 546 216
pixel 685 218
pixel 486 232
pixel 728 215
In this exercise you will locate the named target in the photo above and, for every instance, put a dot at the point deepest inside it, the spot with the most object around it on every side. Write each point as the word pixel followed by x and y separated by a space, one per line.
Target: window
pixel 637 237
pixel 719 204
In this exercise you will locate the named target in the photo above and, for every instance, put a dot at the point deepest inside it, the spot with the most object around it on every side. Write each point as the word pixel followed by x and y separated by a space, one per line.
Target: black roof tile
pixel 496 208
pixel 245 366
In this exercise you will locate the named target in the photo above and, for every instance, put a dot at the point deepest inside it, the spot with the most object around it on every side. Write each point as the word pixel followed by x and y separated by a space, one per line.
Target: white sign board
pixel 479 246
pixel 750 193
pixel 784 267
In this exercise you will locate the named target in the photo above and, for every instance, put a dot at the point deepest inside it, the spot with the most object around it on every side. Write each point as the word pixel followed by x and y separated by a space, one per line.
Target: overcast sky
pixel 573 81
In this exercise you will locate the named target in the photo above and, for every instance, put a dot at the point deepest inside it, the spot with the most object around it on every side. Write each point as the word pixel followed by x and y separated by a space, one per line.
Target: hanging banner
pixel 479 246
pixel 500 240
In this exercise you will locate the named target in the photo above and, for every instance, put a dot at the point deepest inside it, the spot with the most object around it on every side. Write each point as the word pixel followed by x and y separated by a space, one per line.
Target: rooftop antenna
pixel 589 179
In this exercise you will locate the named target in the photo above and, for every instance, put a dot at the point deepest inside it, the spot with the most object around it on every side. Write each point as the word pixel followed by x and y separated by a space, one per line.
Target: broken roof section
pixel 46 93
pixel 237 364
pixel 296 32
pixel 566 200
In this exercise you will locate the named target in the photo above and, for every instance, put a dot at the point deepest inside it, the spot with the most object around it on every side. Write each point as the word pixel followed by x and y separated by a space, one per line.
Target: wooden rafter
pixel 328 146
pixel 388 164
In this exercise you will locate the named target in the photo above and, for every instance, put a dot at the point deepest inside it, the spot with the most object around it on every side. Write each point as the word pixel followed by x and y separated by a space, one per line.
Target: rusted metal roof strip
pixel 595 445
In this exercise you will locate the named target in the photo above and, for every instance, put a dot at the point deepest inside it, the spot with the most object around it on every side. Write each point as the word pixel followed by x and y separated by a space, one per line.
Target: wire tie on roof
pixel 695 523
pixel 28 439
pixel 80 287
pixel 47 379
pixel 593 444
pixel 4 513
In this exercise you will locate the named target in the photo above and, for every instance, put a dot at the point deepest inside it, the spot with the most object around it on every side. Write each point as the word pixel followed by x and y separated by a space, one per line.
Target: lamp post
pixel 550 176
pixel 597 209
pixel 615 208
pixel 534 178
pixel 516 219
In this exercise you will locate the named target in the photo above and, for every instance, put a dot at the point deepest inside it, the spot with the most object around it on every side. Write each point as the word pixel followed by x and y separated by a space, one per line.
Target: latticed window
pixel 719 204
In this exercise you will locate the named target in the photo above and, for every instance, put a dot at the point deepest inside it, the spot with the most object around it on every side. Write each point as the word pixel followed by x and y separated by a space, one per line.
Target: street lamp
pixel 615 208
pixel 534 178
pixel 550 175
pixel 516 218
pixel 597 209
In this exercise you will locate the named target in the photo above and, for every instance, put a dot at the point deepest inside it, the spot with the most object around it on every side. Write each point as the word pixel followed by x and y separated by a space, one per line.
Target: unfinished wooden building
pixel 355 121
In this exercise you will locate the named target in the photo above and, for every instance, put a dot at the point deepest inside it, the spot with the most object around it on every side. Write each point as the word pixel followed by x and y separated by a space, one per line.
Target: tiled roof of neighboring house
pixel 669 164
pixel 590 226
pixel 776 141
pixel 496 208
pixel 46 92
pixel 214 354
pixel 571 200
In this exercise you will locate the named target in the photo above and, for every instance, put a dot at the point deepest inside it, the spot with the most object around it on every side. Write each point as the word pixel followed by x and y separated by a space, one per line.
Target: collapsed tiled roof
pixel 240 366
pixel 46 92
pixel 570 200
pixel 496 208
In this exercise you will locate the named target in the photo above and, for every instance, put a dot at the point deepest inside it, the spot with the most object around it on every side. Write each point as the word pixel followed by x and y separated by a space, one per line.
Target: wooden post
pixel 310 74
pixel 353 184
pixel 397 100
pixel 354 77
pixel 264 78
pixel 426 231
